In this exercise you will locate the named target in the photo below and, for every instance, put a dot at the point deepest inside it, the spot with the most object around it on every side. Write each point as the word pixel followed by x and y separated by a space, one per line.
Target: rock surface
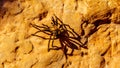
pixel 97 22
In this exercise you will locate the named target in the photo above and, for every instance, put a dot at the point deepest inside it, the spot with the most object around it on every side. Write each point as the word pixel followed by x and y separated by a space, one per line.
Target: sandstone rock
pixel 95 21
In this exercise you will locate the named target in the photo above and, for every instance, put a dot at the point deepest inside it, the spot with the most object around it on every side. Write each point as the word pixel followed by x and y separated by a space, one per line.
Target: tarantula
pixel 59 30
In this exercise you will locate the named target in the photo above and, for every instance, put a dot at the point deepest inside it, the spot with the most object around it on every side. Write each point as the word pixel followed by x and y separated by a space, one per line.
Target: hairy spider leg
pixel 63 47
pixel 46 25
pixel 49 43
pixel 38 27
pixel 54 22
pixel 41 37
pixel 36 32
pixel 70 44
pixel 53 41
pixel 46 32
pixel 73 32
pixel 75 42
pixel 58 19
pixel 46 29
pixel 80 43
pixel 68 31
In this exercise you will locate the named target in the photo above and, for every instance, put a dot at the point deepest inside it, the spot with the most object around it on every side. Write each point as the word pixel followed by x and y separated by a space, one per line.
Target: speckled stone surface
pixel 97 22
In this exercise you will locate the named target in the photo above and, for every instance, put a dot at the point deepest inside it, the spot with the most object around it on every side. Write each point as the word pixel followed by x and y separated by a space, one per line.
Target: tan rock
pixel 96 22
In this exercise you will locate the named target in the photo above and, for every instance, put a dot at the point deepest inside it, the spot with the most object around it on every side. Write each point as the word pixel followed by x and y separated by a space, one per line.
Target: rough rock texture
pixel 97 22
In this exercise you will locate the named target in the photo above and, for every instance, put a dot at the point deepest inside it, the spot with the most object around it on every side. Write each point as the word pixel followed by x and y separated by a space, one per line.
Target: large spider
pixel 59 30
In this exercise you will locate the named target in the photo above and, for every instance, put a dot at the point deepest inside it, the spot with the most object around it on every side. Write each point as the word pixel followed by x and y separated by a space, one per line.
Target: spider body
pixel 56 32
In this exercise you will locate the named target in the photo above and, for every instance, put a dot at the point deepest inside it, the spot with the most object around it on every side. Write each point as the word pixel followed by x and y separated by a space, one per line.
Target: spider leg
pixel 71 52
pixel 53 41
pixel 41 37
pixel 54 47
pixel 79 43
pixel 36 26
pixel 37 32
pixel 65 51
pixel 42 31
pixel 63 47
pixel 45 25
pixel 40 27
pixel 49 43
pixel 46 32
pixel 72 31
pixel 55 22
pixel 58 19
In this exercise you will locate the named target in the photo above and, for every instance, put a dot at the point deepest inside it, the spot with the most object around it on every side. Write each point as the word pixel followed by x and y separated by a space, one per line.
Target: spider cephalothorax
pixel 59 30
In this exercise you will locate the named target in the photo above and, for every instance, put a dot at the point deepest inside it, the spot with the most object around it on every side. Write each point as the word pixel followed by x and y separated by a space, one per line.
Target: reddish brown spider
pixel 60 31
